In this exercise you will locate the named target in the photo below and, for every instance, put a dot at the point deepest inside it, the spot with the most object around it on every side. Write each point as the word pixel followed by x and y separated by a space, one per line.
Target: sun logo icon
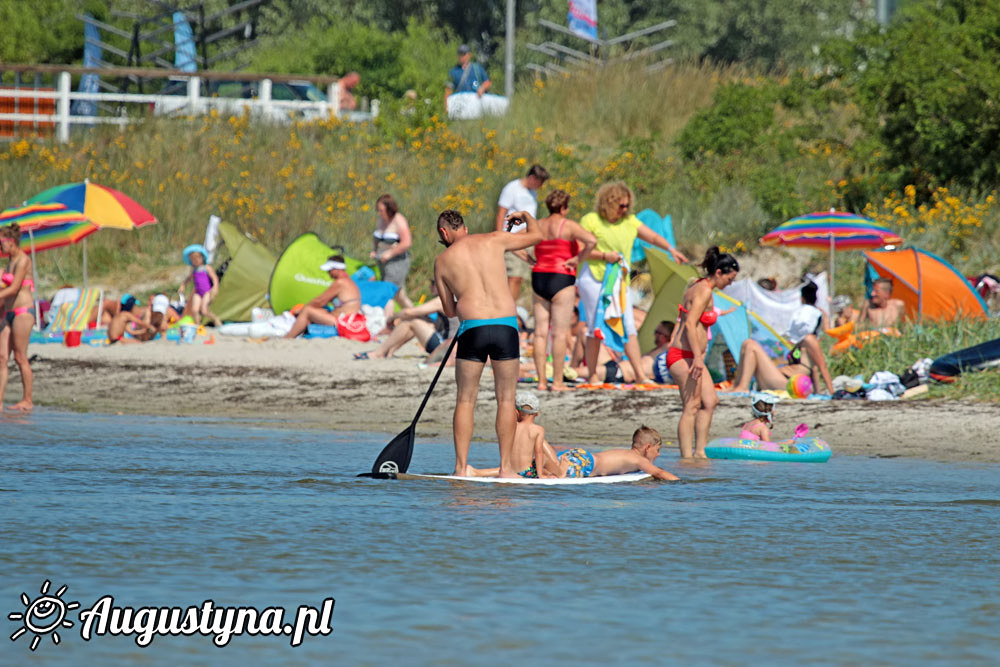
pixel 43 615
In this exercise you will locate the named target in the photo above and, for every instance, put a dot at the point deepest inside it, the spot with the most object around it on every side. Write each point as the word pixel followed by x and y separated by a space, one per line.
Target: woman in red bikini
pixel 553 281
pixel 18 311
pixel 686 356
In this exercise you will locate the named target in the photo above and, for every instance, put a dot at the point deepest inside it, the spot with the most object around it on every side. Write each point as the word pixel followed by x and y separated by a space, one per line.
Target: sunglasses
pixel 624 205
pixel 658 332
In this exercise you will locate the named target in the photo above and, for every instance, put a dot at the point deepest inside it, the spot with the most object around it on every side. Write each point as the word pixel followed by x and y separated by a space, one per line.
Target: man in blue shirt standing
pixel 466 76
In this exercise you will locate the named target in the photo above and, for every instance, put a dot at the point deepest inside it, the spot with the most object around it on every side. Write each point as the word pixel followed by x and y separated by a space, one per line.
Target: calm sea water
pixel 854 561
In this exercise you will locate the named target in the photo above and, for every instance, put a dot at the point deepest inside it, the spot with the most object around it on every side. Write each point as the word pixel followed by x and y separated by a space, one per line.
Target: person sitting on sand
pixel 805 358
pixel 342 289
pixel 881 310
pixel 646 443
pixel 123 318
pixel 159 316
pixel 844 312
pixel 414 323
pixel 654 362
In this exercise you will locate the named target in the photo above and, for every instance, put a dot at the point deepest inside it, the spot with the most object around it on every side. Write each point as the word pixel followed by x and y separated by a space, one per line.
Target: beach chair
pixel 75 315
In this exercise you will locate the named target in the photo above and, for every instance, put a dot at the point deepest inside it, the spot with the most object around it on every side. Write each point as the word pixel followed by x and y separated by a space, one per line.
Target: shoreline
pixel 318 384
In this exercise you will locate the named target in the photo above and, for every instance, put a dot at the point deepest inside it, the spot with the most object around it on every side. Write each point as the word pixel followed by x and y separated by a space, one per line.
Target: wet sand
pixel 318 384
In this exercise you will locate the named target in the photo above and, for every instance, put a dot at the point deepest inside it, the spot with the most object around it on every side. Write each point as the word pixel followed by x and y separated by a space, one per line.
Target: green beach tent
pixel 244 284
pixel 297 277
pixel 670 279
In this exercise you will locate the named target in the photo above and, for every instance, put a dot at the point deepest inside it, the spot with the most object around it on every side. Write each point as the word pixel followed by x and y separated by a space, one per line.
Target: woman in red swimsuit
pixel 553 281
pixel 17 308
pixel 686 356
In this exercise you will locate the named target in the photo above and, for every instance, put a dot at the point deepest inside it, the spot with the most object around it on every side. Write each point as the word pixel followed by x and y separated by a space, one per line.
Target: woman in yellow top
pixel 616 230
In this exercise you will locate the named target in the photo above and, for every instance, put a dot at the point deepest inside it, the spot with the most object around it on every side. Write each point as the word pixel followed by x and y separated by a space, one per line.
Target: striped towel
pixel 611 307
pixel 75 315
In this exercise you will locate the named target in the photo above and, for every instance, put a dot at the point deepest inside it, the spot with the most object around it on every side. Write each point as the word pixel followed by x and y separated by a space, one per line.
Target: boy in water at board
pixel 646 444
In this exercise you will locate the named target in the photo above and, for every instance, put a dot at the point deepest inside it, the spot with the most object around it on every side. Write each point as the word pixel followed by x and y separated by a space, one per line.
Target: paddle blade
pixel 395 458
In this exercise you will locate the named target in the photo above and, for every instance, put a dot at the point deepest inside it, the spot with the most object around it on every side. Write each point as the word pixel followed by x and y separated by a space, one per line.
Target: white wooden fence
pixel 130 107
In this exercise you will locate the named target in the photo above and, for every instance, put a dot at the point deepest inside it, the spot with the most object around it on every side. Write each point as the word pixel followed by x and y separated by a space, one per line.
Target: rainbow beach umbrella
pixel 57 236
pixel 33 216
pixel 105 207
pixel 833 230
pixel 47 226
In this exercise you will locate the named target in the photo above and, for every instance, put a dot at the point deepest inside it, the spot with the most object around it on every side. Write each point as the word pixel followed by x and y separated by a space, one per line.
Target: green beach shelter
pixel 670 279
pixel 297 277
pixel 244 284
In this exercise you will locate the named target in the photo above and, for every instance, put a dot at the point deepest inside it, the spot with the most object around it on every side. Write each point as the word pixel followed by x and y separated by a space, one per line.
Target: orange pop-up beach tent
pixel 929 286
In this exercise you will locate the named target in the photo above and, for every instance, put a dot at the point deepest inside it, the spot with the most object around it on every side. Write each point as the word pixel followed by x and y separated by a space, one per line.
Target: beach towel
pixel 611 307
pixel 75 315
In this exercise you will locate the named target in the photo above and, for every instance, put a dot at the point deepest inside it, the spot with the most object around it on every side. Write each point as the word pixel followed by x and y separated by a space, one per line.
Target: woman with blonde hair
pixel 392 241
pixel 553 277
pixel 616 230
pixel 18 311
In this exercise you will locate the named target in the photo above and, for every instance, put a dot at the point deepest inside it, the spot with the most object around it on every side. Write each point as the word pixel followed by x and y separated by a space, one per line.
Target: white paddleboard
pixel 549 481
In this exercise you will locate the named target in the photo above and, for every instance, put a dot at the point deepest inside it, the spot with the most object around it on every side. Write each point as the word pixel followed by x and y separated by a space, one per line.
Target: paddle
pixel 395 457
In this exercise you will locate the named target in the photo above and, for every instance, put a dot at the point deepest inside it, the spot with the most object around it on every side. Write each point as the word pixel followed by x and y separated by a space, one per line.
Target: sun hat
pixel 193 248
pixel 526 402
pixel 160 303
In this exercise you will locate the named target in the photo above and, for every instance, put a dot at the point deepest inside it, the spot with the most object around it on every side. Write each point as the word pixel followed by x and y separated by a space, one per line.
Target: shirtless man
pixel 881 310
pixel 472 282
pixel 343 289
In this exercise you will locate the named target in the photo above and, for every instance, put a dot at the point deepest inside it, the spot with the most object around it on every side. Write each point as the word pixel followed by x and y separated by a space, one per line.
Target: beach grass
pixel 926 340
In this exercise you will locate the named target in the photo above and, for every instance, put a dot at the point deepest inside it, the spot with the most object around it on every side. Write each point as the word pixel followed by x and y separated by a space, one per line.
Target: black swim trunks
pixel 547 285
pixel 496 339
pixel 613 372
pixel 433 342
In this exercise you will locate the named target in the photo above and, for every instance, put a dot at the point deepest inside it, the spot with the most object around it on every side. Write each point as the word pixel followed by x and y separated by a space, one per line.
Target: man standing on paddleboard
pixel 471 279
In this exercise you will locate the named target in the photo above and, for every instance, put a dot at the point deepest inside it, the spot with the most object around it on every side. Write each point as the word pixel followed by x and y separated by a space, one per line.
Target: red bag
pixel 353 326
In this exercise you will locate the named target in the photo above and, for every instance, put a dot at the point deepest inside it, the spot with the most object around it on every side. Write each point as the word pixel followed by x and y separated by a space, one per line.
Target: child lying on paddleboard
pixel 646 444
pixel 530 447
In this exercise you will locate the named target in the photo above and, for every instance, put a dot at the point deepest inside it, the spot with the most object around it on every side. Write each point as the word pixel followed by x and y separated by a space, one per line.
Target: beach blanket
pixel 611 307
pixel 75 315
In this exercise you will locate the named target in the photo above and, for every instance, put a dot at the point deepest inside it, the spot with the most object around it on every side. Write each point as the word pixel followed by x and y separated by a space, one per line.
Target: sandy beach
pixel 318 384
